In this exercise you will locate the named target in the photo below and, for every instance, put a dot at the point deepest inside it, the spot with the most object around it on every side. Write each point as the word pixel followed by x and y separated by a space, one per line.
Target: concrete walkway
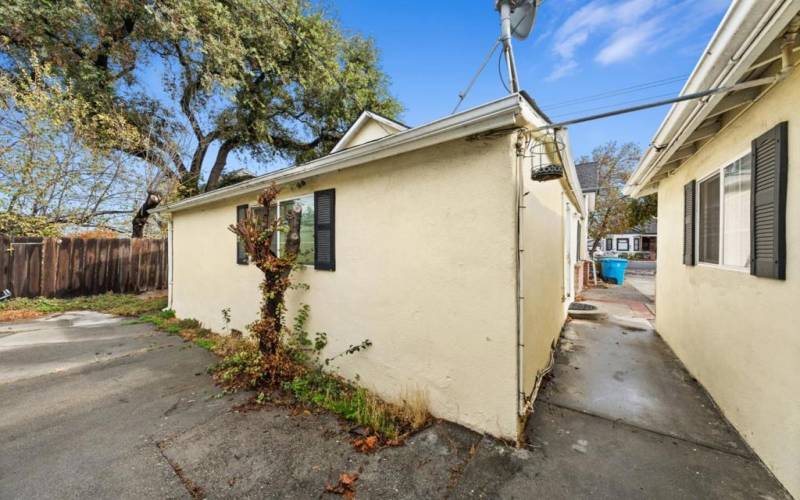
pixel 96 407
pixel 623 416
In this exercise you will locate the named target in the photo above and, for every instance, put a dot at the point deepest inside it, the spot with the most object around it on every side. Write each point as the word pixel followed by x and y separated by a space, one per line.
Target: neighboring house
pixel 640 242
pixel 433 242
pixel 727 172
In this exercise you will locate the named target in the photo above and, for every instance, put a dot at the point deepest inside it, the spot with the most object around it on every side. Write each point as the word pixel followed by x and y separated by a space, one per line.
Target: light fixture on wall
pixel 542 151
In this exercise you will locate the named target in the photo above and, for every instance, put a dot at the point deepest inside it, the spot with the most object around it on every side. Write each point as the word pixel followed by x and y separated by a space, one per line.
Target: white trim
pixel 361 122
pixel 278 202
pixel 747 29
pixel 501 113
pixel 719 171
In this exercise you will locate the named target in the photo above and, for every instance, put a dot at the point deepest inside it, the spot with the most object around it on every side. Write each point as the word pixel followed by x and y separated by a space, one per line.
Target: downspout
pixel 170 261
pixel 519 196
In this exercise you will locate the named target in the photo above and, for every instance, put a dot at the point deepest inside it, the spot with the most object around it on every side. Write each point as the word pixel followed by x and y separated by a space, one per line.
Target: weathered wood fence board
pixel 62 267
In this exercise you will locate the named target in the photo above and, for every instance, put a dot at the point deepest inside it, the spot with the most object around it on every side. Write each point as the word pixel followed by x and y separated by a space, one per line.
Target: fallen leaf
pixel 365 445
pixel 345 487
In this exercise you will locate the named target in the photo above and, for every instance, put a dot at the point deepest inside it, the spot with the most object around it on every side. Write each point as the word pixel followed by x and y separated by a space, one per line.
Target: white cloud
pixel 618 30
pixel 562 70
pixel 626 43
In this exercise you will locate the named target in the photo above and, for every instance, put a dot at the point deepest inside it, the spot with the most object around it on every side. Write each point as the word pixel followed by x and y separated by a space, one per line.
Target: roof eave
pixel 744 33
pixel 501 113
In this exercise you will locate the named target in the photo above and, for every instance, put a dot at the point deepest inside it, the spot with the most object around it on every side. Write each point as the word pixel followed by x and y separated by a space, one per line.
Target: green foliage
pixel 206 344
pixel 642 210
pixel 244 366
pixel 120 304
pixel 237 76
pixel 344 399
pixel 615 163
pixel 52 172
pixel 13 224
pixel 352 349
pixel 226 317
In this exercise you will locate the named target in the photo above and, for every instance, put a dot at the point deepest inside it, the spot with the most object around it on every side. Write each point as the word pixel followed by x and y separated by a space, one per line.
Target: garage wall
pixel 424 269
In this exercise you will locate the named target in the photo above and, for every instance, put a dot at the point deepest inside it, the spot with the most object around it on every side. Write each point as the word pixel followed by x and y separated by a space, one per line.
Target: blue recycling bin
pixel 613 269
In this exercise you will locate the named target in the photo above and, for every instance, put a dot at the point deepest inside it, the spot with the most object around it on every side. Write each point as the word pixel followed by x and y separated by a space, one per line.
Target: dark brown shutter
pixel 241 255
pixel 688 223
pixel 325 230
pixel 768 204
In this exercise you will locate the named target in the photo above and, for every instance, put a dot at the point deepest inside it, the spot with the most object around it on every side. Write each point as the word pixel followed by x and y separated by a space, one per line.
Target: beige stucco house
pixel 727 173
pixel 433 242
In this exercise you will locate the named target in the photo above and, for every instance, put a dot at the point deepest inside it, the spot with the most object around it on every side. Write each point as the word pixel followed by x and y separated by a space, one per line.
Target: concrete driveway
pixel 87 397
pixel 96 407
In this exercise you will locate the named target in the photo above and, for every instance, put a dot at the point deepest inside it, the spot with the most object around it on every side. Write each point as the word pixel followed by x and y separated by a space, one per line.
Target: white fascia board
pixel 501 113
pixel 359 124
pixel 573 186
pixel 744 33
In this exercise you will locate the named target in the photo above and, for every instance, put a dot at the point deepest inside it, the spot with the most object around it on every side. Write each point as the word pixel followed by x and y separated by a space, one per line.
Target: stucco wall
pixel 738 334
pixel 544 303
pixel 424 269
pixel 372 130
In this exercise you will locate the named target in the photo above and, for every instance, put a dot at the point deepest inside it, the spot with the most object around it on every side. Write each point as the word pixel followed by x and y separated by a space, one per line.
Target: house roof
pixel 588 176
pixel 649 227
pixel 387 125
pixel 748 50
pixel 509 112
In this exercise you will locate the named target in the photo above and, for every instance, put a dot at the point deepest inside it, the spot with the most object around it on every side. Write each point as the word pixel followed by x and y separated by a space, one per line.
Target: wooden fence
pixel 63 267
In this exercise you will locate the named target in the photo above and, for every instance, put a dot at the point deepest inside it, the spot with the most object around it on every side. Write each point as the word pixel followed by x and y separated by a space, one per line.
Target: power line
pixel 622 103
pixel 616 92
pixel 687 97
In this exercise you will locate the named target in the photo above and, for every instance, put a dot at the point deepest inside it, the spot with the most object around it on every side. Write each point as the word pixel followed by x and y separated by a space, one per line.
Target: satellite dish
pixel 523 14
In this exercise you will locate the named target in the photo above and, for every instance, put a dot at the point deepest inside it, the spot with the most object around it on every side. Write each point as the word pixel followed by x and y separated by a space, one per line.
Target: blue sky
pixel 430 50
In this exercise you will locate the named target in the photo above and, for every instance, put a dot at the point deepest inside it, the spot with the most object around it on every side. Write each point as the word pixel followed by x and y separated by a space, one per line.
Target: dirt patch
pixel 19 314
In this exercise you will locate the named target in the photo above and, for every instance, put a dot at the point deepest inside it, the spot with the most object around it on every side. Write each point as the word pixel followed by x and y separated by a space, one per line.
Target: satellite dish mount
pixel 516 19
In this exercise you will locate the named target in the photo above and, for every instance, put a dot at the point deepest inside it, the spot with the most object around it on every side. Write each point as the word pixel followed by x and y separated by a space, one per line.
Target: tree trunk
pixel 140 219
pixel 271 308
pixel 219 164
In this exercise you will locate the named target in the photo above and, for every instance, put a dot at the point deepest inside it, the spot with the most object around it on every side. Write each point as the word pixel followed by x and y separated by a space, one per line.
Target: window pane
pixel 306 228
pixel 709 220
pixel 736 214
pixel 622 244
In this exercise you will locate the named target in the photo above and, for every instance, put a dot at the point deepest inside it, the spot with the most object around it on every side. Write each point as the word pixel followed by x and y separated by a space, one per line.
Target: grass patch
pixel 356 404
pixel 112 303
pixel 206 344
pixel 243 366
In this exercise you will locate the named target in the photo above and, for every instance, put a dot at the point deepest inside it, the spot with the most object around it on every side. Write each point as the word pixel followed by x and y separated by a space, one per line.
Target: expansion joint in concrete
pixel 618 421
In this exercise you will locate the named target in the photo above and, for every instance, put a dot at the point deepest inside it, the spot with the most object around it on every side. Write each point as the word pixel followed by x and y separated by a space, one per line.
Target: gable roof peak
pixel 368 127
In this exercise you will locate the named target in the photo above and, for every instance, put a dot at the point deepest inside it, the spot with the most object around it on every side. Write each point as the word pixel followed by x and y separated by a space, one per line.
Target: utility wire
pixel 319 61
pixel 500 69
pixel 463 94
pixel 616 92
pixel 611 106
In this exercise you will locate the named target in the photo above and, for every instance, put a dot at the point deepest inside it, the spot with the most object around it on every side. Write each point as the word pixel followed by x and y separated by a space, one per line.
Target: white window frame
pixel 278 202
pixel 721 172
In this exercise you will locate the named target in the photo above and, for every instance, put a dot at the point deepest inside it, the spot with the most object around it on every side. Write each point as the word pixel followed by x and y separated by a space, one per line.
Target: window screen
pixel 736 213
pixel 709 222
pixel 306 256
